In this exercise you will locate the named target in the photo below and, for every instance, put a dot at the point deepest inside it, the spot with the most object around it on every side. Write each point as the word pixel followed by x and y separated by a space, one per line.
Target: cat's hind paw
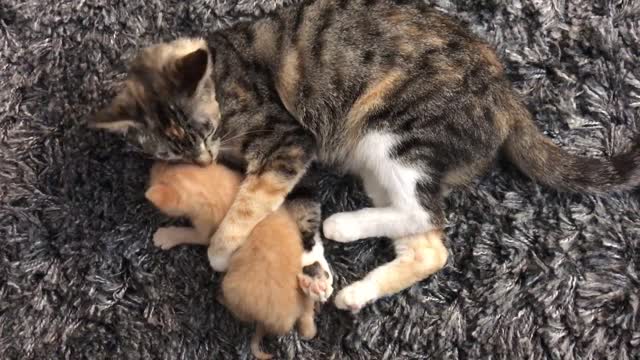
pixel 355 296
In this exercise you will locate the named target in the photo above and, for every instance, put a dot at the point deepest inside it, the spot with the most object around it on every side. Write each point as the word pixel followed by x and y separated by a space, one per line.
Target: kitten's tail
pixel 540 159
pixel 255 343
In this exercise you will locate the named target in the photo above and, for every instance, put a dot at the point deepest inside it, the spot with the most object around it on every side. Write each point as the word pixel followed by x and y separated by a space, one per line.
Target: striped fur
pixel 390 90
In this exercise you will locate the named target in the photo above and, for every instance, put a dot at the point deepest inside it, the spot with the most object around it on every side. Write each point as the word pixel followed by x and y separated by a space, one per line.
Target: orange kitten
pixel 263 281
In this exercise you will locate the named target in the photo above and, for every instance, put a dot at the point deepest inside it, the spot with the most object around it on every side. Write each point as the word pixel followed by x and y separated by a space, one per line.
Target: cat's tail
pixel 255 343
pixel 540 159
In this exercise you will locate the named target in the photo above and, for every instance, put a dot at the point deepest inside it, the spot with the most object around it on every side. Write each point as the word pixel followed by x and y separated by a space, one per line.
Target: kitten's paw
pixel 341 227
pixel 218 259
pixel 355 296
pixel 165 238
pixel 315 282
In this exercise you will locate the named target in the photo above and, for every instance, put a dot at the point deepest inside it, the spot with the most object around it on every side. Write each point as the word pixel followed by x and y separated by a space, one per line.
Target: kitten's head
pixel 166 192
pixel 184 190
pixel 167 106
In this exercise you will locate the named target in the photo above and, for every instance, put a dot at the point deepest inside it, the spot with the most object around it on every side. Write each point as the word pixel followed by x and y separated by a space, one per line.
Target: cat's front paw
pixel 222 246
pixel 165 238
pixel 355 296
pixel 341 227
pixel 218 259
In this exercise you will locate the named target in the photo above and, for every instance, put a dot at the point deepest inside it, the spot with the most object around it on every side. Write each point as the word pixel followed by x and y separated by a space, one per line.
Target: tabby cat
pixel 389 90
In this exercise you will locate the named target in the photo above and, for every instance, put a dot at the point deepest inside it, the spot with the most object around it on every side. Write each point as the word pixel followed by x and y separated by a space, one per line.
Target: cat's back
pixel 261 283
pixel 378 34
pixel 365 53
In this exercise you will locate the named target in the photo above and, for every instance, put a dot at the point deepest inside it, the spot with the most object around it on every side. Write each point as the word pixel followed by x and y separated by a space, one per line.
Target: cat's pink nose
pixel 204 159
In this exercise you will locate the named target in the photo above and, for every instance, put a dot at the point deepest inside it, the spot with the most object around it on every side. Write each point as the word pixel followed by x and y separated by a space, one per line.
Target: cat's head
pixel 167 106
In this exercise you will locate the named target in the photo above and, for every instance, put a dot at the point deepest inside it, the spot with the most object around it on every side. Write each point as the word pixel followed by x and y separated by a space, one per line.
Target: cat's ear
pixel 191 68
pixel 164 197
pixel 112 119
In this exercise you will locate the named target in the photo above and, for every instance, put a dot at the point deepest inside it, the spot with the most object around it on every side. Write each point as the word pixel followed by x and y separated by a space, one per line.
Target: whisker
pixel 224 136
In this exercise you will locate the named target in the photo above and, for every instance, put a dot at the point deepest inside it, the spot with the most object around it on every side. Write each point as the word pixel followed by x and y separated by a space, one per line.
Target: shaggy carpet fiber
pixel 532 273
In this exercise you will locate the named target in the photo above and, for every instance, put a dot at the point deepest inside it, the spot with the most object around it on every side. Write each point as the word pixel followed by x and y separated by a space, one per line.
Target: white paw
pixel 341 227
pixel 315 286
pixel 318 286
pixel 317 254
pixel 355 296
pixel 164 238
pixel 219 260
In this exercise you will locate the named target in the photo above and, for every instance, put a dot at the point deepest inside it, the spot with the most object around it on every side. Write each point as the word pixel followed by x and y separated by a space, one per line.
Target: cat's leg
pixel 406 194
pixel 410 212
pixel 276 162
pixel 168 237
pixel 377 222
pixel 417 257
pixel 318 283
pixel 406 209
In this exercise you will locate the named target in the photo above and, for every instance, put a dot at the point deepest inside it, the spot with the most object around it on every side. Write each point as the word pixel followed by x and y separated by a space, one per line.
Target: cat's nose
pixel 204 159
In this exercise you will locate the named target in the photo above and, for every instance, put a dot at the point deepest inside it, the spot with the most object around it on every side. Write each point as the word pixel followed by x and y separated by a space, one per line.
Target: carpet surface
pixel 532 273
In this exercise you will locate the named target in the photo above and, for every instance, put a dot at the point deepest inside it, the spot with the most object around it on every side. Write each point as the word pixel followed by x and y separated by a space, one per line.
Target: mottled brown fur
pixel 288 78
pixel 490 58
pixel 385 89
pixel 372 99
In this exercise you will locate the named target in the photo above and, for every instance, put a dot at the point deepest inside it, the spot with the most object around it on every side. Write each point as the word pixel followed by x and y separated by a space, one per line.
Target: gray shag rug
pixel 533 273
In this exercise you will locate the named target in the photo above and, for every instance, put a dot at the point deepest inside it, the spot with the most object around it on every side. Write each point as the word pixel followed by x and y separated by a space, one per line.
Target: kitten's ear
pixel 191 68
pixel 111 120
pixel 164 197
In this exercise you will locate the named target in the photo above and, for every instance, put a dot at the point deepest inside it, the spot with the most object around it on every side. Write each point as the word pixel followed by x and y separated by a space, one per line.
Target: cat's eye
pixel 166 155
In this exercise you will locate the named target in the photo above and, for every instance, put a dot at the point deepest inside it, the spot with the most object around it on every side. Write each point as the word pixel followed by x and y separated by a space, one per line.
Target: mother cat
pixel 392 91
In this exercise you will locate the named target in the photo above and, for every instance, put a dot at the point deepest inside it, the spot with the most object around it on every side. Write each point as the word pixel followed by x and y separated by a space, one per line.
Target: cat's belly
pixel 387 181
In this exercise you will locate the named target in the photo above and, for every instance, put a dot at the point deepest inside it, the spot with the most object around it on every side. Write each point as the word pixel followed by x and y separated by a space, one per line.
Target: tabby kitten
pixel 390 90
